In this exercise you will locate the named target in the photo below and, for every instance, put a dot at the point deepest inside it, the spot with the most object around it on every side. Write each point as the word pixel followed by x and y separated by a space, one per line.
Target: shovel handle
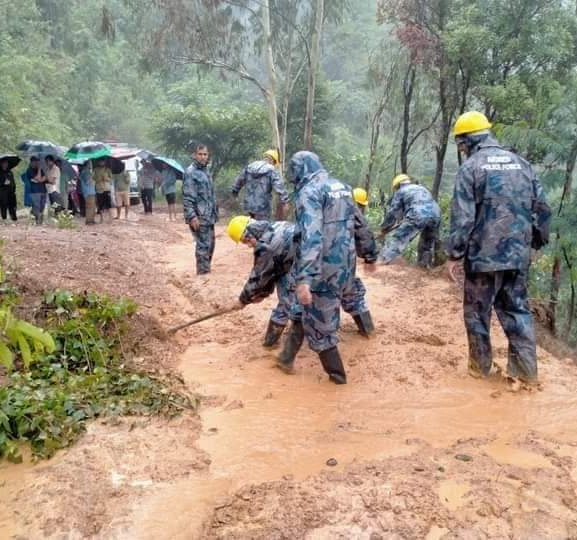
pixel 218 313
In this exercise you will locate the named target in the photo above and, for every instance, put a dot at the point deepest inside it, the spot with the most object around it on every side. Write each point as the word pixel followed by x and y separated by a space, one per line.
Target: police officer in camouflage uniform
pixel 200 207
pixel 498 213
pixel 261 178
pixel 415 211
pixel 354 300
pixel 324 267
pixel 274 247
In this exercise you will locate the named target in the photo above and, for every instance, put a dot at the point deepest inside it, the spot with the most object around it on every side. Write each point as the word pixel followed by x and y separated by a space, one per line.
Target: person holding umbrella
pixel 8 187
pixel 146 178
pixel 53 184
pixel 168 187
pixel 88 192
pixel 121 179
pixel 37 189
pixel 170 170
pixel 102 176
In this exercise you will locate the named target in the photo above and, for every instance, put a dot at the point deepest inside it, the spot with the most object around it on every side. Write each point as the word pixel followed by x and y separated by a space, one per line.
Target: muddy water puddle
pixel 270 426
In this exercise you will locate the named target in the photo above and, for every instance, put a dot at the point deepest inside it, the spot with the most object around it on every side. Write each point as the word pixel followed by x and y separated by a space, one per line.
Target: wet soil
pixel 410 448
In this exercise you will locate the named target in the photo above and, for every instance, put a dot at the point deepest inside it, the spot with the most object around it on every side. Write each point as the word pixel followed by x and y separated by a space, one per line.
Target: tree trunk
pixel 375 134
pixel 571 310
pixel 447 113
pixel 271 87
pixel 554 293
pixel 313 71
pixel 286 100
pixel 408 87
pixel 556 271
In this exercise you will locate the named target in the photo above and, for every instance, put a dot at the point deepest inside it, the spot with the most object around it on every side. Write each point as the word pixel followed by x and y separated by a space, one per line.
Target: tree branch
pixel 243 74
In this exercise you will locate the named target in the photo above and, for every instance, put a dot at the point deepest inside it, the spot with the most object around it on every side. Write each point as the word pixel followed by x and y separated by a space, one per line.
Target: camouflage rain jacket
pixel 260 179
pixel 198 196
pixel 413 203
pixel 274 255
pixel 325 214
pixel 498 211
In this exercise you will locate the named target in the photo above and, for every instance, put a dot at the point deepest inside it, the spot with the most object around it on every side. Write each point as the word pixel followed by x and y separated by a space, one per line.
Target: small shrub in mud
pixel 47 399
pixel 64 219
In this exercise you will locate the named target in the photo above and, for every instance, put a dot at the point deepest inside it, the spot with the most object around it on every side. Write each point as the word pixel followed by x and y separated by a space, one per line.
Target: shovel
pixel 217 313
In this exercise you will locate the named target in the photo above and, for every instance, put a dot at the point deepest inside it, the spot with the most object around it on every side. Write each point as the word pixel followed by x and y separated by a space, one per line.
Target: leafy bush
pixel 65 220
pixel 76 374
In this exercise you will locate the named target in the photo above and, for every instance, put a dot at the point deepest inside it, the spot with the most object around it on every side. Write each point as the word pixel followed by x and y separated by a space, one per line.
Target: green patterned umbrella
pixel 88 150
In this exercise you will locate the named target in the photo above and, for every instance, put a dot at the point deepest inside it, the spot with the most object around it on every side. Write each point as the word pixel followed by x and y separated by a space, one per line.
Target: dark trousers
pixel 426 247
pixel 147 196
pixel 82 204
pixel 204 251
pixel 8 203
pixel 38 205
pixel 72 205
pixel 506 291
pixel 55 202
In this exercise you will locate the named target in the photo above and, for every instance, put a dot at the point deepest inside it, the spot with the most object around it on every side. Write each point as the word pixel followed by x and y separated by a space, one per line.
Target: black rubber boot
pixel 273 333
pixel 364 323
pixel 333 365
pixel 292 345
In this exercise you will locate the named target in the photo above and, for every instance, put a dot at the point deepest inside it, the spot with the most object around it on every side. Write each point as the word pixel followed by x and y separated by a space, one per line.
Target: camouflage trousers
pixel 321 320
pixel 506 291
pixel 400 238
pixel 286 297
pixel 204 251
pixel 354 301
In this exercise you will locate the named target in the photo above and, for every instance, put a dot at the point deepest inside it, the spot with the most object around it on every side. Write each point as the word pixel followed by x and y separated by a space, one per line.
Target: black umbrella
pixel 39 148
pixel 11 159
pixel 115 165
pixel 145 155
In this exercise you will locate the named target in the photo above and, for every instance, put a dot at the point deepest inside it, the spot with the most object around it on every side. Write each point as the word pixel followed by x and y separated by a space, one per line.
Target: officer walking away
pixel 354 300
pixel 200 207
pixel 325 260
pixel 412 210
pixel 274 248
pixel 260 179
pixel 498 214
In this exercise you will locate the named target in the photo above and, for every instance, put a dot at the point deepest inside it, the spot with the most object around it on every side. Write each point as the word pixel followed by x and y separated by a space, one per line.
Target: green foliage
pixel 77 374
pixel 65 220
pixel 19 339
pixel 234 136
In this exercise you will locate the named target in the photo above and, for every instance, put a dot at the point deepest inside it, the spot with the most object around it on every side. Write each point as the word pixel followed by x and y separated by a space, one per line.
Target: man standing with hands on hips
pixel 200 207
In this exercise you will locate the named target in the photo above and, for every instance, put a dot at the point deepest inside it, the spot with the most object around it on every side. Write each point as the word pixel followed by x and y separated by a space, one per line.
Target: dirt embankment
pixel 416 449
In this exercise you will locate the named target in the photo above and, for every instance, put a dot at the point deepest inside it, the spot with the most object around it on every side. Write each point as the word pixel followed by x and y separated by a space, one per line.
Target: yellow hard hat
pixel 274 155
pixel 400 179
pixel 471 122
pixel 361 196
pixel 237 227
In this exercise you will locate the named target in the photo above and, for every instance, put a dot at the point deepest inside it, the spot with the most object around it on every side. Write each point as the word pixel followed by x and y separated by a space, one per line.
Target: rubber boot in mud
pixel 364 323
pixel 523 369
pixel 292 345
pixel 273 333
pixel 333 365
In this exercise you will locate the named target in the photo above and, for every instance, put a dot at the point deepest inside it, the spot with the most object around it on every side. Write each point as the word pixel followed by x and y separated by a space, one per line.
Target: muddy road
pixel 421 450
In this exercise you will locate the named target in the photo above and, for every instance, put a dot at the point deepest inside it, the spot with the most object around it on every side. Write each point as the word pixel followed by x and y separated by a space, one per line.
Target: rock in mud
pixel 332 462
pixel 463 457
